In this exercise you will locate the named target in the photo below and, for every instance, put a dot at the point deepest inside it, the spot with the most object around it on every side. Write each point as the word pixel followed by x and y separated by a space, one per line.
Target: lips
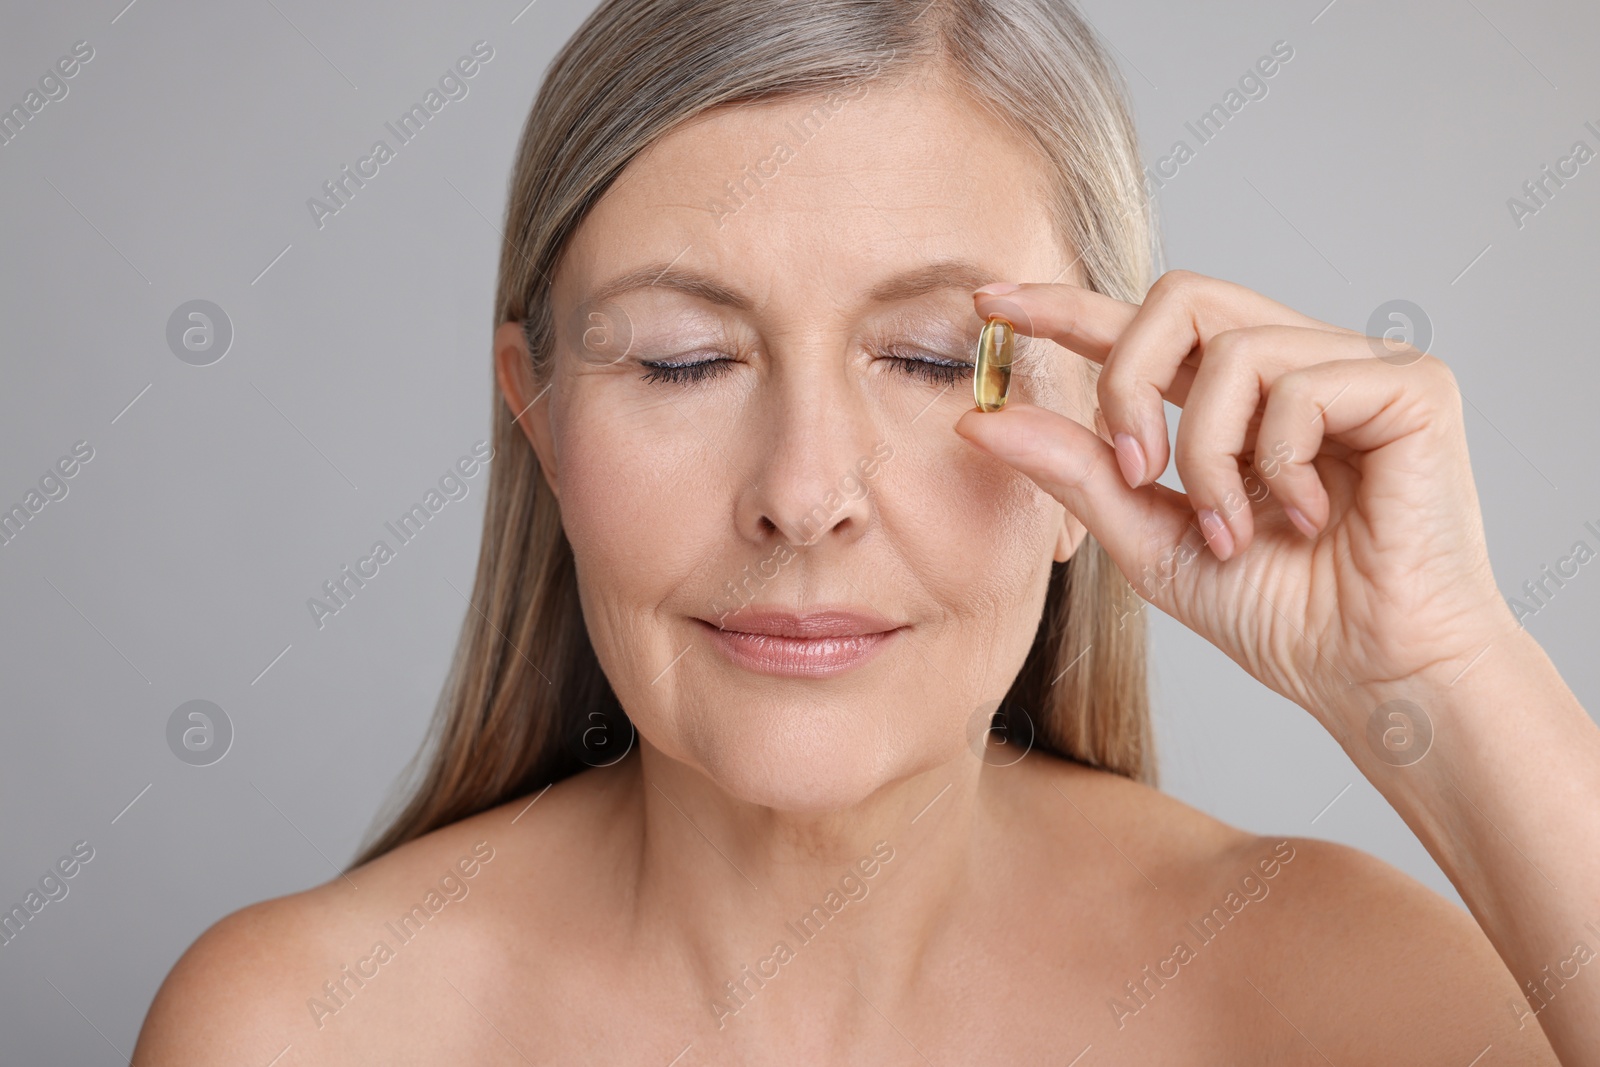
pixel 830 623
pixel 815 644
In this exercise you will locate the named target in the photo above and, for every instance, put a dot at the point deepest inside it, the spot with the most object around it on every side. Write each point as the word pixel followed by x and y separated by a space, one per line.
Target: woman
pixel 800 716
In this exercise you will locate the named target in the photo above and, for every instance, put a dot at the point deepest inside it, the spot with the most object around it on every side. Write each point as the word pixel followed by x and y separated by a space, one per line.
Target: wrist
pixel 1494 651
pixel 1466 737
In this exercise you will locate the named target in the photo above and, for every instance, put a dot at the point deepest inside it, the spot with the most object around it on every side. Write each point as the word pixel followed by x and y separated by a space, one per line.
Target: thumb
pixel 1076 466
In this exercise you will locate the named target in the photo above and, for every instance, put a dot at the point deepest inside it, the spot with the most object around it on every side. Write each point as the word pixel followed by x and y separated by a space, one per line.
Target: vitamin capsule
pixel 992 379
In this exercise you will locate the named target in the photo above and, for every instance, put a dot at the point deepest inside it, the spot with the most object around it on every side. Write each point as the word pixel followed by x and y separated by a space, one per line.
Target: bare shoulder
pixel 225 998
pixel 336 972
pixel 1308 944
pixel 1384 967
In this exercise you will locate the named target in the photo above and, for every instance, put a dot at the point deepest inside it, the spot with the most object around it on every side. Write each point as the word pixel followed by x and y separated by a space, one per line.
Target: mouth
pixel 817 644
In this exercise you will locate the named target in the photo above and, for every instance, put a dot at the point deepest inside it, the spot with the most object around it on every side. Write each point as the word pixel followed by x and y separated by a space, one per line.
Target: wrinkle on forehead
pixel 902 173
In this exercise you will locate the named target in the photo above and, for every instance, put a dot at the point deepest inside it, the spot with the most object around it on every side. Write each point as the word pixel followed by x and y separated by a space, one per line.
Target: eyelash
pixel 686 372
pixel 939 372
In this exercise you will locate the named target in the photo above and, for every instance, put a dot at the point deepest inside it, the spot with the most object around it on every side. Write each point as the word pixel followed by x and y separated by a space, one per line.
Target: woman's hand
pixel 1327 471
pixel 1349 568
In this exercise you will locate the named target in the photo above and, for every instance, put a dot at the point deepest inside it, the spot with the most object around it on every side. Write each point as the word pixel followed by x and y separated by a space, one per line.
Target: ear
pixel 529 402
pixel 1071 536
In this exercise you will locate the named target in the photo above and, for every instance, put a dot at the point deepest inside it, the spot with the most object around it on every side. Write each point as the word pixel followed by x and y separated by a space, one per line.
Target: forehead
pixel 815 200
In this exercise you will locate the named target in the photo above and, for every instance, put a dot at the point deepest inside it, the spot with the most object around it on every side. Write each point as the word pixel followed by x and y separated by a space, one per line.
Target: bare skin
pixel 981 913
pixel 552 957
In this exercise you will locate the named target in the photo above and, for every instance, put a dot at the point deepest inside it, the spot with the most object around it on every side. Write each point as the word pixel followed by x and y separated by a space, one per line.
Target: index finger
pixel 1079 319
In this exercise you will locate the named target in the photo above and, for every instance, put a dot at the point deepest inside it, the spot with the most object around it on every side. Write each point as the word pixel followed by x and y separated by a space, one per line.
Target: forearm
pixel 1507 800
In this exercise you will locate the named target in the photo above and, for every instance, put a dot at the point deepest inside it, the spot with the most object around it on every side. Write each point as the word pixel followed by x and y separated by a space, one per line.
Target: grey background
pixel 177 568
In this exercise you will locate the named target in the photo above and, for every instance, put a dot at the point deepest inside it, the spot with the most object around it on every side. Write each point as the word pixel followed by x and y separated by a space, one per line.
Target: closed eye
pixel 699 371
pixel 933 369
pixel 939 371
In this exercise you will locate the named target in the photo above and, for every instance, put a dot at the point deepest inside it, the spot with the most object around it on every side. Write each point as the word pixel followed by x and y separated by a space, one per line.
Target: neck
pixel 750 896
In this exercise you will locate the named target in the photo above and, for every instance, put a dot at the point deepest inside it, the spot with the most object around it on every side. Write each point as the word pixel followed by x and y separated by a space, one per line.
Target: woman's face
pixel 800 275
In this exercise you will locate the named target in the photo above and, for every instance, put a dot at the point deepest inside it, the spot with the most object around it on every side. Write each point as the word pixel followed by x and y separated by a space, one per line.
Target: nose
pixel 816 459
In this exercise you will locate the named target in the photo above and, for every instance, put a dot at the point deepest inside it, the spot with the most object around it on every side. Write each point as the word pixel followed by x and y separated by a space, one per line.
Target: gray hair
pixel 525 678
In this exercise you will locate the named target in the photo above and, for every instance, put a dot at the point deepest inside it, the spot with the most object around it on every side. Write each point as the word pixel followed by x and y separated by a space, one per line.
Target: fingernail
pixel 1301 523
pixel 998 289
pixel 1130 457
pixel 1216 533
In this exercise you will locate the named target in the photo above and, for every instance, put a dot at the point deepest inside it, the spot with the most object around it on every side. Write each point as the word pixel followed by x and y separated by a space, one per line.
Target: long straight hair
pixel 525 680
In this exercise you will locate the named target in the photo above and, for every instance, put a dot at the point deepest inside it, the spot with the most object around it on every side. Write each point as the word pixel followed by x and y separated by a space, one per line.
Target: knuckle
pixel 1177 283
pixel 1440 370
pixel 1297 387
pixel 1277 457
pixel 1069 484
pixel 1284 466
pixel 1235 346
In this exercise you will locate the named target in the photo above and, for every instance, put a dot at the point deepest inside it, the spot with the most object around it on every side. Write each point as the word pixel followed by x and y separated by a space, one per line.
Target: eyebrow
pixel 920 281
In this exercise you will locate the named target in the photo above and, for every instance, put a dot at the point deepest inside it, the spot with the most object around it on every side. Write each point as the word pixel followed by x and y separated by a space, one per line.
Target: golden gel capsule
pixel 992 378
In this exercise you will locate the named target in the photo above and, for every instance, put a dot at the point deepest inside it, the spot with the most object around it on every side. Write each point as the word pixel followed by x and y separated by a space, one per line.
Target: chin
pixel 806 759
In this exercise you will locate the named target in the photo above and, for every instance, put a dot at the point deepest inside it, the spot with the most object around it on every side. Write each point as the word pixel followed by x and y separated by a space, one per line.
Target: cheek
pixel 977 534
pixel 646 516
pixel 640 503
